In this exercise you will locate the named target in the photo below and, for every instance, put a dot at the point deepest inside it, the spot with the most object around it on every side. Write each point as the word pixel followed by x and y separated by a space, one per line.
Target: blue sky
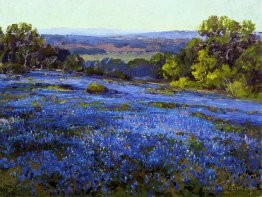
pixel 141 15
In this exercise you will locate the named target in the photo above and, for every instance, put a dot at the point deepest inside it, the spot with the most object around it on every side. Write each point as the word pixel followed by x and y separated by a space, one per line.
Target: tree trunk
pixel 25 61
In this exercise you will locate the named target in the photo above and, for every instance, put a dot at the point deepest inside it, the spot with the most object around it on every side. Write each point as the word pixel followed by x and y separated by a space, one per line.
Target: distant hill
pixel 95 41
pixel 115 33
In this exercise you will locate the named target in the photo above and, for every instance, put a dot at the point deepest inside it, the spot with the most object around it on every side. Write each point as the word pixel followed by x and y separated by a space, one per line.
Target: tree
pixel 22 44
pixel 249 65
pixel 47 57
pixel 73 63
pixel 173 69
pixel 138 62
pixel 204 64
pixel 226 38
pixel 222 78
pixel 1 44
pixel 189 54
pixel 158 60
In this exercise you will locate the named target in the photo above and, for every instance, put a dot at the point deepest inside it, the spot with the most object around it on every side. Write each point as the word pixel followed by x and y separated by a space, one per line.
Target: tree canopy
pixel 23 49
pixel 228 57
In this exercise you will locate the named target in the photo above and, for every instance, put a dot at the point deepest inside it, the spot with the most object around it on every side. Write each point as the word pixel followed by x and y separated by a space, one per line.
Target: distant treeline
pixel 111 67
pixel 22 49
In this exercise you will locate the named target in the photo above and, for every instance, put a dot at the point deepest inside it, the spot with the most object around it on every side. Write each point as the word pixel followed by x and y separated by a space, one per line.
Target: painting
pixel 159 98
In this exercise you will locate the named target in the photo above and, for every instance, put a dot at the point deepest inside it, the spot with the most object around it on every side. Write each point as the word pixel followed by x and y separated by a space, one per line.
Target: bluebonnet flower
pixel 69 148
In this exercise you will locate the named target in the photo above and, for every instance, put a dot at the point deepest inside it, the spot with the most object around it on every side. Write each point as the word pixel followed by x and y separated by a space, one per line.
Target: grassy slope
pixel 126 57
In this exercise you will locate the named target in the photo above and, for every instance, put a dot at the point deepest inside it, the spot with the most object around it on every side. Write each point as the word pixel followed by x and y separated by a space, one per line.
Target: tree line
pixel 227 57
pixel 23 49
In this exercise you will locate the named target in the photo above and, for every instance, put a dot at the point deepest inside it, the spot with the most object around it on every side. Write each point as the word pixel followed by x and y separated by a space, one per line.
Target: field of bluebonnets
pixel 57 139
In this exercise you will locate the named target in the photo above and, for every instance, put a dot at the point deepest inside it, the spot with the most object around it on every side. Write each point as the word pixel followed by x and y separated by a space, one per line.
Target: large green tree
pixel 179 65
pixel 226 38
pixel 22 44
pixel 249 66
pixel 228 57
pixel 73 63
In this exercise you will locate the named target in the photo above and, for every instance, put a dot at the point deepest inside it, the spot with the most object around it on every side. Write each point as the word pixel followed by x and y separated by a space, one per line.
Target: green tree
pixel 158 60
pixel 226 38
pixel 172 69
pixel 222 78
pixel 204 65
pixel 73 63
pixel 22 44
pixel 189 54
pixel 249 66
pixel 1 44
pixel 138 62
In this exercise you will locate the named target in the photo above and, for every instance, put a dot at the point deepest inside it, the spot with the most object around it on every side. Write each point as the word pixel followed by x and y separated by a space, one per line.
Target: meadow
pixel 137 139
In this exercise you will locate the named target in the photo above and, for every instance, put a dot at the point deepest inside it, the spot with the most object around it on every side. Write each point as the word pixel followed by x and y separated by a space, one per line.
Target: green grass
pixel 126 57
pixel 166 105
pixel 91 104
pixel 123 107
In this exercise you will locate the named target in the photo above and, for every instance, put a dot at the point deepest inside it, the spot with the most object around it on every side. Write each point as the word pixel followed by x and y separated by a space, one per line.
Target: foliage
pixel 22 44
pixel 73 63
pixel 182 83
pixel 118 74
pixel 158 60
pixel 204 64
pixel 228 58
pixel 139 62
pixel 93 71
pixel 172 69
pixel 226 38
pixel 189 54
pixel 249 64
pixel 239 89
pixel 23 49
pixel 96 88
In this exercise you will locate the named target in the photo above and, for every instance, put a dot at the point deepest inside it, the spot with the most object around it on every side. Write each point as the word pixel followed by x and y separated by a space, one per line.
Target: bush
pixel 12 68
pixel 182 83
pixel 96 88
pixel 93 71
pixel 118 74
pixel 3 68
pixel 238 89
pixel 73 63
pixel 139 62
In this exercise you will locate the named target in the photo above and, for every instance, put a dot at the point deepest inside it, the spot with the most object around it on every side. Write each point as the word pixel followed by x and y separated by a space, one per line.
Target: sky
pixel 138 15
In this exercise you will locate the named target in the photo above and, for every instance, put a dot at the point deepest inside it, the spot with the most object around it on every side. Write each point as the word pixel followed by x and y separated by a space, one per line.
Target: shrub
pixel 96 88
pixel 3 68
pixel 182 83
pixel 93 71
pixel 139 62
pixel 12 68
pixel 238 89
pixel 73 63
pixel 118 74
